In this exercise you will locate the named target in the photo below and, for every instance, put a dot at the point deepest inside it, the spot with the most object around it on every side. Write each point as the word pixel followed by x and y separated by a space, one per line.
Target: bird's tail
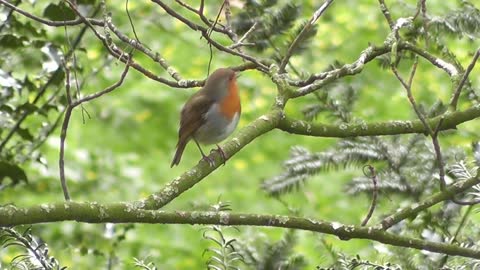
pixel 178 154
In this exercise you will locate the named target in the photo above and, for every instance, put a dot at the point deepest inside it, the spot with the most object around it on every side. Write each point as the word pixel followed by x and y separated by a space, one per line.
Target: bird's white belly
pixel 216 127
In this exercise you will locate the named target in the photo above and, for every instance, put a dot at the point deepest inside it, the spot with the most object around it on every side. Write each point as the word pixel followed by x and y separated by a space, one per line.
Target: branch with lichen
pixel 345 130
pixel 131 213
pixel 414 209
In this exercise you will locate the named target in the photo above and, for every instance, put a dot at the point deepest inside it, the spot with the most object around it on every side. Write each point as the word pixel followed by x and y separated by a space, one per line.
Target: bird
pixel 210 115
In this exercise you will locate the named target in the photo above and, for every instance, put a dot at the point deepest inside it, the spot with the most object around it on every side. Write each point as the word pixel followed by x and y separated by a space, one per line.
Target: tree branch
pixel 129 213
pixel 205 34
pixel 386 13
pixel 413 210
pixel 458 90
pixel 66 120
pixel 343 130
pixel 319 80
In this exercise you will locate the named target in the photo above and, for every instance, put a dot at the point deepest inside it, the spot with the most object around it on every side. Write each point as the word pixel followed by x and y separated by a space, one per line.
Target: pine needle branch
pixel 303 33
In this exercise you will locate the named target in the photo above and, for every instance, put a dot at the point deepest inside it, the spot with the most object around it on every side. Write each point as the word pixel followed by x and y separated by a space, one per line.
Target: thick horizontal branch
pixel 413 210
pixel 191 177
pixel 450 121
pixel 130 213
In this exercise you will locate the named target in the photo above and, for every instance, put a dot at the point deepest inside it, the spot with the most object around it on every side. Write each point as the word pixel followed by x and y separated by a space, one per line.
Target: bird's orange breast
pixel 231 103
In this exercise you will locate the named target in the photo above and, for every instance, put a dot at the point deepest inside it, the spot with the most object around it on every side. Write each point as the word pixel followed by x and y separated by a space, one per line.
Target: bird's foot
pixel 221 152
pixel 210 161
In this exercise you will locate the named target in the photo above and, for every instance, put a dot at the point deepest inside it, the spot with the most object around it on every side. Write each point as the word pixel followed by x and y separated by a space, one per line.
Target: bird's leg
pixel 222 153
pixel 204 157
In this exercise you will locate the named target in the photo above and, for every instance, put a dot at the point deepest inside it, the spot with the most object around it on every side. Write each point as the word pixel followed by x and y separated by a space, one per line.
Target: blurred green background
pixel 123 151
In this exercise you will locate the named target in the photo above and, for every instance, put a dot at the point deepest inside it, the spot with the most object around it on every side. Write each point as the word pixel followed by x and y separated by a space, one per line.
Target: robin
pixel 210 115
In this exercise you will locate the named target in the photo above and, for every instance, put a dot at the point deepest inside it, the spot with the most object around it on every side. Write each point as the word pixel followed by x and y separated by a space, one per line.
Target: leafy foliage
pixel 464 22
pixel 346 263
pixel 144 265
pixel 276 255
pixel 33 254
pixel 276 27
pixel 25 94
pixel 223 253
pixel 223 256
pixel 406 165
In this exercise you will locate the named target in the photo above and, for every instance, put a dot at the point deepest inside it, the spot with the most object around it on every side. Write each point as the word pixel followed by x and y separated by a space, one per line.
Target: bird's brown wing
pixel 191 118
pixel 192 115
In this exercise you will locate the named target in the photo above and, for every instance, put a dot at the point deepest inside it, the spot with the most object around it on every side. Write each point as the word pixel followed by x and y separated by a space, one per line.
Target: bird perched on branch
pixel 210 115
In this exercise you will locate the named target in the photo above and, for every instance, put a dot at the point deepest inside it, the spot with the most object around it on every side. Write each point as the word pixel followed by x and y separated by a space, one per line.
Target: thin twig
pixel 66 120
pixel 422 8
pixel 458 90
pixel 63 135
pixel 209 34
pixel 413 210
pixel 74 58
pixel 187 6
pixel 373 176
pixel 465 203
pixel 302 34
pixel 228 24
pixel 49 22
pixel 433 133
pixel 7 19
pixel 119 54
pixel 457 232
pixel 203 18
pixel 408 87
pixel 131 21
pixel 439 155
pixel 240 42
pixel 386 13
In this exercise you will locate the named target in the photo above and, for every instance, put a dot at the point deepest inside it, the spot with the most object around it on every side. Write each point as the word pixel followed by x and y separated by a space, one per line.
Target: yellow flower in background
pixel 91 175
pixel 92 54
pixel 240 164
pixel 142 116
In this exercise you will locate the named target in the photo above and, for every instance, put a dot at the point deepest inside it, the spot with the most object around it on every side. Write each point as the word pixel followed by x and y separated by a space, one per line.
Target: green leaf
pixel 83 250
pixel 26 28
pixel 11 41
pixel 6 108
pixel 27 107
pixel 25 134
pixel 59 12
pixel 29 85
pixel 12 171
pixel 58 78
pixel 86 2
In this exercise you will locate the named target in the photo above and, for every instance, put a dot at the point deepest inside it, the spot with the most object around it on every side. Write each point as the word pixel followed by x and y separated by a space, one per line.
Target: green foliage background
pixel 123 151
